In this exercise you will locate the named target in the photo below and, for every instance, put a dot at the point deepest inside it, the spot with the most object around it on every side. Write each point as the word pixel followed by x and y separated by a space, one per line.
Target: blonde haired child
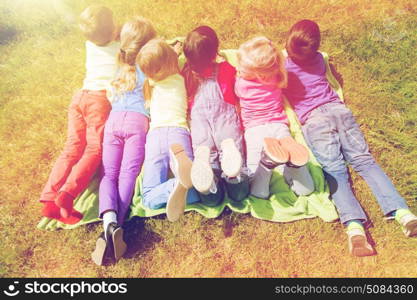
pixel 168 144
pixel 87 115
pixel 261 75
pixel 124 139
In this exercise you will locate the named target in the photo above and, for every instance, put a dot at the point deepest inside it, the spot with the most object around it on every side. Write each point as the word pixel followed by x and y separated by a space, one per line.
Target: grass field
pixel 373 45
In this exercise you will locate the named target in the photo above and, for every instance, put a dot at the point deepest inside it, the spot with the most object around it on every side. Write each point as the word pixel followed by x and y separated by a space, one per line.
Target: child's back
pixel 308 86
pixel 101 65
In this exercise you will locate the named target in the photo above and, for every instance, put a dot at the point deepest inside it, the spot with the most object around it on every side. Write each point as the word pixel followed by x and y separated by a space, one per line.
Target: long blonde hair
pixel 133 36
pixel 259 59
pixel 157 60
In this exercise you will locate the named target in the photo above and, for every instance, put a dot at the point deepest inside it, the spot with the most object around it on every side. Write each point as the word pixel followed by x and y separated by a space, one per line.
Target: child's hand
pixel 220 58
pixel 177 47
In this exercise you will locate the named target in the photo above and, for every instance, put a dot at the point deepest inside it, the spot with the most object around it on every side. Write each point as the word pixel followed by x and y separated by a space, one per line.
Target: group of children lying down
pixel 216 128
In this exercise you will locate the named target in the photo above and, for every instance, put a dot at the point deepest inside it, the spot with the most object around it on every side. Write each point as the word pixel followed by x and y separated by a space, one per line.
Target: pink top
pixel 260 103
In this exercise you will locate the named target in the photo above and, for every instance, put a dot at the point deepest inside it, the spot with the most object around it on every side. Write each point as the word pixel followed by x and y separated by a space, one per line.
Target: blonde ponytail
pixel 133 36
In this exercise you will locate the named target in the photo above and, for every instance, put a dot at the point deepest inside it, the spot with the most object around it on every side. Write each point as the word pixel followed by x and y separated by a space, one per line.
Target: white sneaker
pixel 232 161
pixel 202 176
pixel 176 202
pixel 358 243
pixel 409 225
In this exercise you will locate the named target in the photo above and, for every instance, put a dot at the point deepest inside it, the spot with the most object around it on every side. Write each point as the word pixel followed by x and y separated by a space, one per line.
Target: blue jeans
pixel 335 139
pixel 156 185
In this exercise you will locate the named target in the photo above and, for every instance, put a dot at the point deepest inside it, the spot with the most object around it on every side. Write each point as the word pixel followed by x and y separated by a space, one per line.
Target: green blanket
pixel 282 206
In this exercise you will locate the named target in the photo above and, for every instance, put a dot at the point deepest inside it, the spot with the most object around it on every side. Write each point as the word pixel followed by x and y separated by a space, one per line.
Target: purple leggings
pixel 123 155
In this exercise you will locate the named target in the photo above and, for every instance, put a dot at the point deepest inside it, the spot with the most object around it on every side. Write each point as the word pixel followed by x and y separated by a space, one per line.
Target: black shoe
pixel 212 200
pixel 115 240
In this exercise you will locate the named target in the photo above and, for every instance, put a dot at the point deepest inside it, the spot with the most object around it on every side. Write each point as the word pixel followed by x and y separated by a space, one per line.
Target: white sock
pixel 109 217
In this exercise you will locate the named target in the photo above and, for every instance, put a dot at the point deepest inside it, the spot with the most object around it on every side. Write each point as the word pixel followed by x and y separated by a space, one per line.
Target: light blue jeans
pixel 156 185
pixel 336 139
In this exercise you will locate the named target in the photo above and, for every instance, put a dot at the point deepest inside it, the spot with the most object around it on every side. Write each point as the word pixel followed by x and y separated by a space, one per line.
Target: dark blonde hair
pixel 133 36
pixel 260 59
pixel 200 48
pixel 157 60
pixel 303 41
pixel 96 23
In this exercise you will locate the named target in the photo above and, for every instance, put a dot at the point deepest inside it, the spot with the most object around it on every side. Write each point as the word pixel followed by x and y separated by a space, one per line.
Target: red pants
pixel 81 156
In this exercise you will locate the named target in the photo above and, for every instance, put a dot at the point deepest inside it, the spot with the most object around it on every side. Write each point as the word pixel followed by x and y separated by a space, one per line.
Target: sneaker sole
pixel 176 203
pixel 184 164
pixel 202 176
pixel 232 161
pixel 298 154
pixel 119 245
pixel 275 151
pixel 360 246
pixel 99 252
pixel 410 230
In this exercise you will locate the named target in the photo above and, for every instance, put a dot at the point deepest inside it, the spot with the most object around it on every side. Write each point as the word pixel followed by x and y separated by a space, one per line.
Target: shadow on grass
pixel 138 238
pixel 7 34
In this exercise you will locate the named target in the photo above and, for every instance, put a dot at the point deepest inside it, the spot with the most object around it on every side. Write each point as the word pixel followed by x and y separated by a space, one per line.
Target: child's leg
pixel 323 139
pixel 298 178
pixel 206 154
pixel 228 137
pixel 260 174
pixel 356 152
pixel 155 169
pixel 95 109
pixel 157 188
pixel 113 145
pixel 73 150
pixel 135 126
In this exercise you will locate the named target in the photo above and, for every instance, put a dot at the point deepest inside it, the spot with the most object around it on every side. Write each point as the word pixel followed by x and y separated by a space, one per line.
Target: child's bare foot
pixel 298 154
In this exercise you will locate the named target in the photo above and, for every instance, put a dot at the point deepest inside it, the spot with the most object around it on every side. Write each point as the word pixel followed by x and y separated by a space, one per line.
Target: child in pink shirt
pixel 269 144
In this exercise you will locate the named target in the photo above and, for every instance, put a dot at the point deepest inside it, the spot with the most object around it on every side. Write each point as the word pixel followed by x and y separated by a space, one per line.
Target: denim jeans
pixel 212 121
pixel 335 139
pixel 156 185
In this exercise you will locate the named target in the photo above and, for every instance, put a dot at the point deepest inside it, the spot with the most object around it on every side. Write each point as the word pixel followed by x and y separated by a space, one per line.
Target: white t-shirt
pixel 101 65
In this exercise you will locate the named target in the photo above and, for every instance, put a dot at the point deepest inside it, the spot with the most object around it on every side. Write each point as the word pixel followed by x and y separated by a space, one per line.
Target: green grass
pixel 41 65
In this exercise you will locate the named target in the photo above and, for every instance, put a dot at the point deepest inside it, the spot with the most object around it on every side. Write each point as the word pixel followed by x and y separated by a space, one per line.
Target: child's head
pixel 133 36
pixel 200 48
pixel 96 23
pixel 303 41
pixel 158 60
pixel 259 59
